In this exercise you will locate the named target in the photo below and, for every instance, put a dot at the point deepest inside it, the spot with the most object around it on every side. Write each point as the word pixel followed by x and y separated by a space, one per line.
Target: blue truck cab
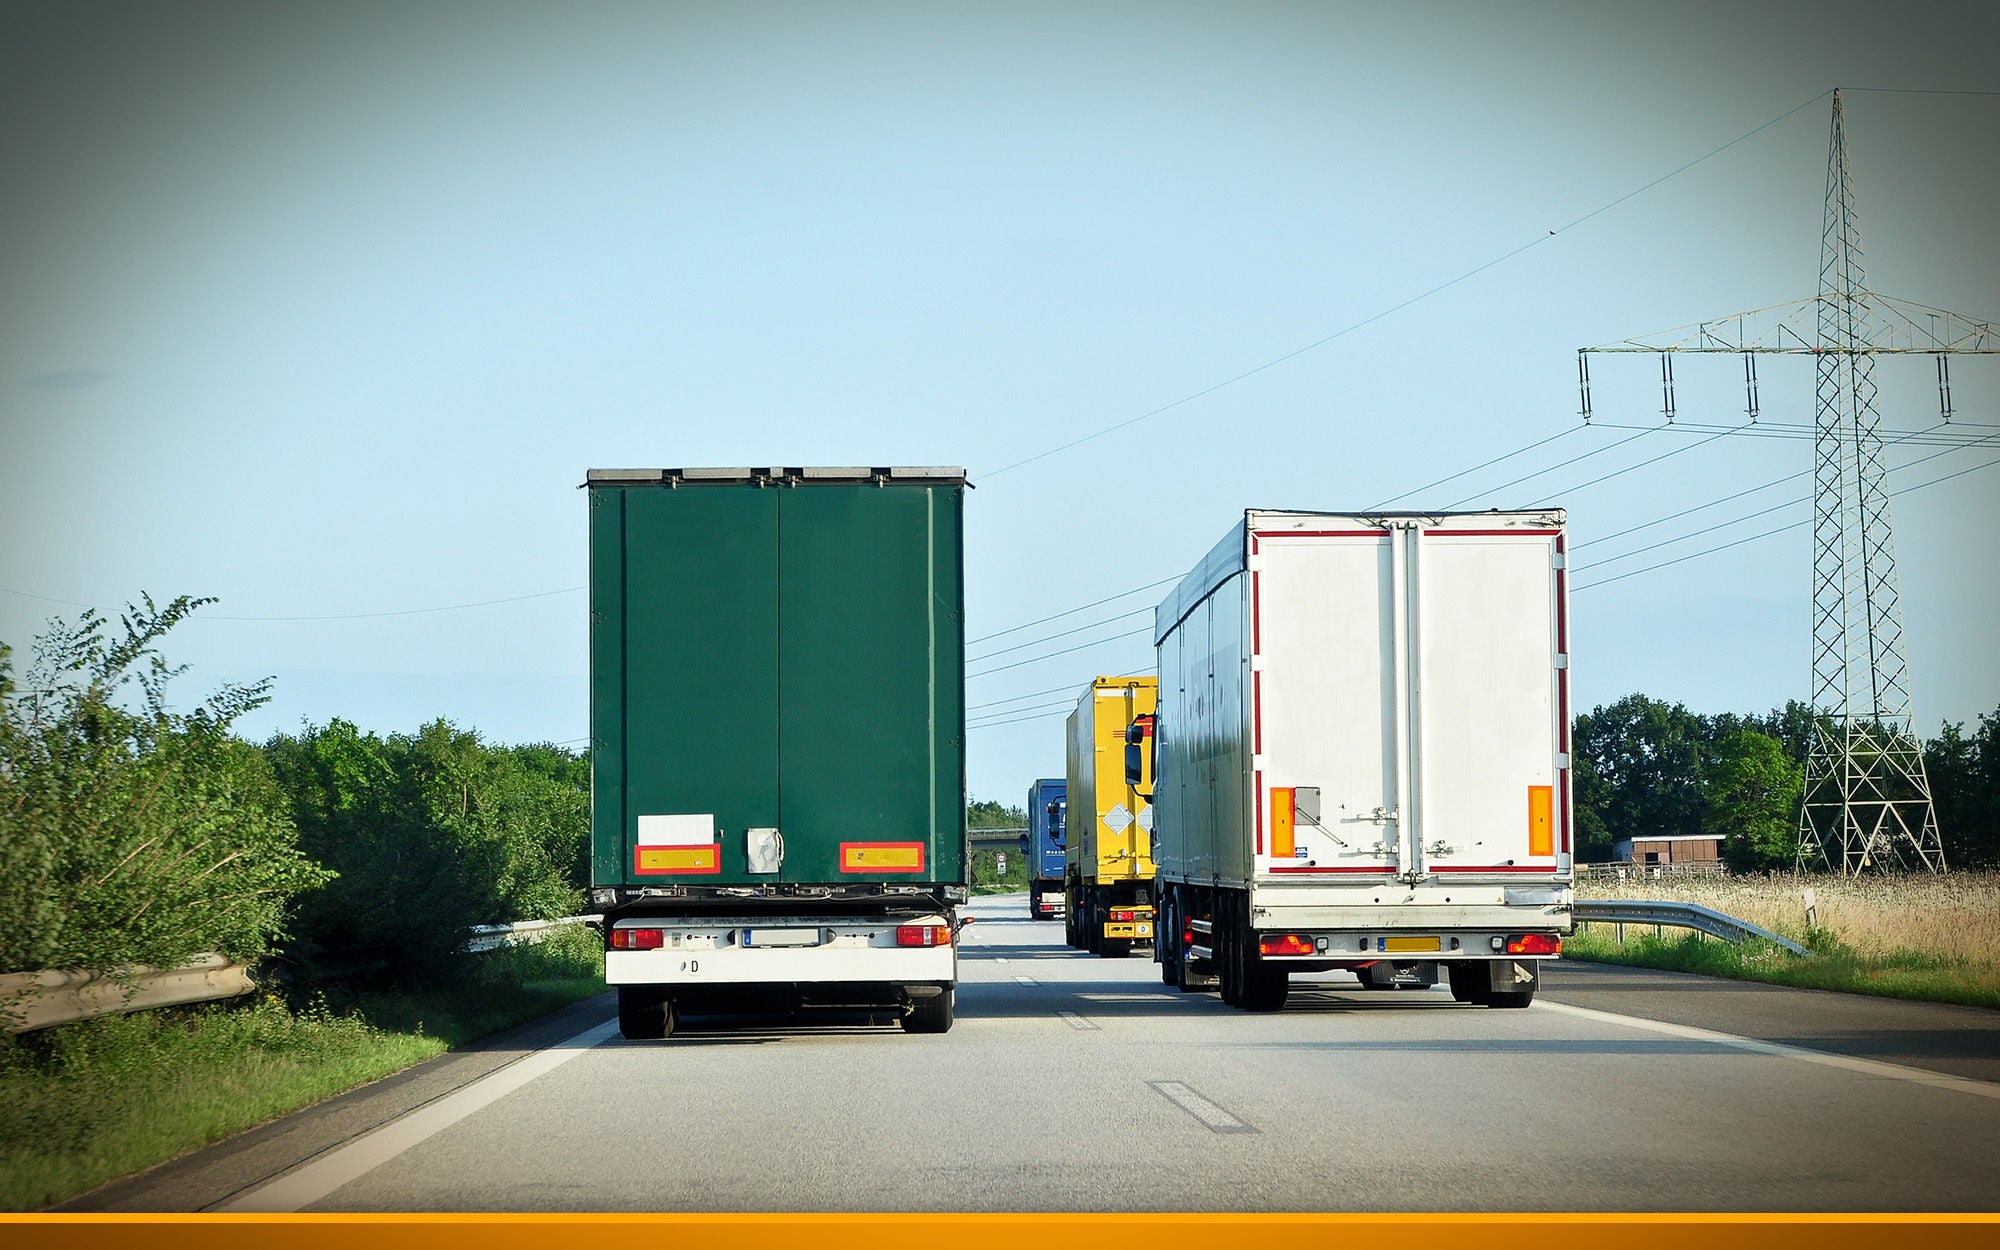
pixel 1046 811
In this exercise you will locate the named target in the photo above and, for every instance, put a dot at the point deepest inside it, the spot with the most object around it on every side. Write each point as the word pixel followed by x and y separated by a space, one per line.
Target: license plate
pixel 781 937
pixel 1399 945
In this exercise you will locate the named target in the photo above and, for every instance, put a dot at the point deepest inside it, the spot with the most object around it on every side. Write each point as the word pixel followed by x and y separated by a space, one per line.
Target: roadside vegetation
pixel 345 867
pixel 1645 768
pixel 1933 938
pixel 983 870
pixel 99 1099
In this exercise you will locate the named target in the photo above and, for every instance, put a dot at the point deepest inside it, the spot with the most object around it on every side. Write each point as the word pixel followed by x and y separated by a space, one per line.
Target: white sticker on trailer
pixel 677 829
pixel 1146 818
pixel 1118 819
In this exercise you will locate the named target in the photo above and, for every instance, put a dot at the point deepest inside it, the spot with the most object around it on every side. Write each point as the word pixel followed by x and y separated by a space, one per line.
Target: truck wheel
pixel 1510 998
pixel 1166 943
pixel 930 1015
pixel 1470 983
pixel 645 1013
pixel 1265 987
pixel 1114 948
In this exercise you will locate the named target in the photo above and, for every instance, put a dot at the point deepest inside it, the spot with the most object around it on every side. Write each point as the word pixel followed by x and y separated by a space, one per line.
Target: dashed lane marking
pixel 1217 1119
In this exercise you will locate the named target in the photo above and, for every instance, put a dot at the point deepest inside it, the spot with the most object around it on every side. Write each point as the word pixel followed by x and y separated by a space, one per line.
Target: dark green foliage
pixel 1638 773
pixel 1645 768
pixel 131 833
pixel 990 814
pixel 1751 790
pixel 431 833
pixel 1964 774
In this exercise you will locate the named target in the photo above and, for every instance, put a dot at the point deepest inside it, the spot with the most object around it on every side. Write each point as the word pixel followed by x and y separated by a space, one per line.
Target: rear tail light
pixel 923 935
pixel 638 939
pixel 1124 914
pixel 1285 944
pixel 1534 944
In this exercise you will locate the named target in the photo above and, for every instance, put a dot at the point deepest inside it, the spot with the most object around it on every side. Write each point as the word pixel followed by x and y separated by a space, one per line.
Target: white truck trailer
pixel 1362 755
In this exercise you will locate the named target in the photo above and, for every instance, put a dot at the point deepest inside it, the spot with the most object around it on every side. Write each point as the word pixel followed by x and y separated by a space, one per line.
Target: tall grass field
pixel 1935 938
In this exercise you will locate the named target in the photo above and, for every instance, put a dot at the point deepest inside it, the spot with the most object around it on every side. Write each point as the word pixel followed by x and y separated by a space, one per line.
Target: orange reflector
pixel 923 935
pixel 1282 844
pixel 651 860
pixel 1541 823
pixel 881 857
pixel 1287 944
pixel 638 939
pixel 1534 944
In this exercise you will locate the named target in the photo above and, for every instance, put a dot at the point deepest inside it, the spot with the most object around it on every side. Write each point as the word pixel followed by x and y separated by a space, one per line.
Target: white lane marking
pixel 1030 982
pixel 299 1189
pixel 1867 1067
pixel 1200 1108
pixel 1076 1022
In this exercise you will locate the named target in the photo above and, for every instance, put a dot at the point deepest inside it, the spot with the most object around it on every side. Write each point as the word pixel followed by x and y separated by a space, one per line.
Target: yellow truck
pixel 1108 860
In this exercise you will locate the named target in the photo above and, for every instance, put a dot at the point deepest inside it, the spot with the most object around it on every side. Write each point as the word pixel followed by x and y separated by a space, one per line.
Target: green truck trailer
pixel 777 740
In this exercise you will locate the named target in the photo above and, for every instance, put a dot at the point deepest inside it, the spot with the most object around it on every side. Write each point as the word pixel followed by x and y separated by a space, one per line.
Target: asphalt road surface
pixel 1071 1083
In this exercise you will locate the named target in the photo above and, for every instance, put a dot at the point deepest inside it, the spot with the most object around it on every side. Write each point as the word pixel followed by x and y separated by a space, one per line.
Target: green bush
pixel 130 833
pixel 431 834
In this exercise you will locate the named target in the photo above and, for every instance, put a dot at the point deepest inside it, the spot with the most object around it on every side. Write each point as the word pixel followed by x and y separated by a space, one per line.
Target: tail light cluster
pixel 1285 944
pixel 1125 914
pixel 1534 944
pixel 923 935
pixel 638 939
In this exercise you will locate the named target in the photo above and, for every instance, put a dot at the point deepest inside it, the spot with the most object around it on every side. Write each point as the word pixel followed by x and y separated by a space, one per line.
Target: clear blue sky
pixel 326 309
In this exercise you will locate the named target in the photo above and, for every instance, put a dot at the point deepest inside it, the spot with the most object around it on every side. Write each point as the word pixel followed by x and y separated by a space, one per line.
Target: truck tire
pixel 1228 951
pixel 1265 987
pixel 1166 943
pixel 1510 998
pixel 1114 948
pixel 646 1013
pixel 930 1015
pixel 1469 983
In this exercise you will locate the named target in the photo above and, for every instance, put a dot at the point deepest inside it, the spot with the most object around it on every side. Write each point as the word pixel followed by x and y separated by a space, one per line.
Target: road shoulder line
pixel 1866 1067
pixel 300 1188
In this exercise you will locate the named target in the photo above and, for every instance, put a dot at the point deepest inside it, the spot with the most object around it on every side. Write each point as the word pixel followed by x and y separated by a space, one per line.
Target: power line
pixel 448 607
pixel 1019 697
pixel 1477 467
pixel 1753 515
pixel 1063 653
pixel 1767 533
pixel 1021 711
pixel 1665 455
pixel 1019 720
pixel 1073 611
pixel 1713 503
pixel 344 616
pixel 1064 634
pixel 1415 299
pixel 1551 469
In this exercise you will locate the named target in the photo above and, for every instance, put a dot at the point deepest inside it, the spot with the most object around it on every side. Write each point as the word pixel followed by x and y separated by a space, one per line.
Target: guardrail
pixel 37 1000
pixel 1621 912
pixel 486 937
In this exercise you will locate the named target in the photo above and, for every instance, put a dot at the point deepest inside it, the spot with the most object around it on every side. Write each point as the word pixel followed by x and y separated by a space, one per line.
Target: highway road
pixel 1076 1084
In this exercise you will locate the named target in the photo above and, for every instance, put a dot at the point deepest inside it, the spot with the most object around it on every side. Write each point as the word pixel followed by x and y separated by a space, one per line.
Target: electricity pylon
pixel 1867 798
